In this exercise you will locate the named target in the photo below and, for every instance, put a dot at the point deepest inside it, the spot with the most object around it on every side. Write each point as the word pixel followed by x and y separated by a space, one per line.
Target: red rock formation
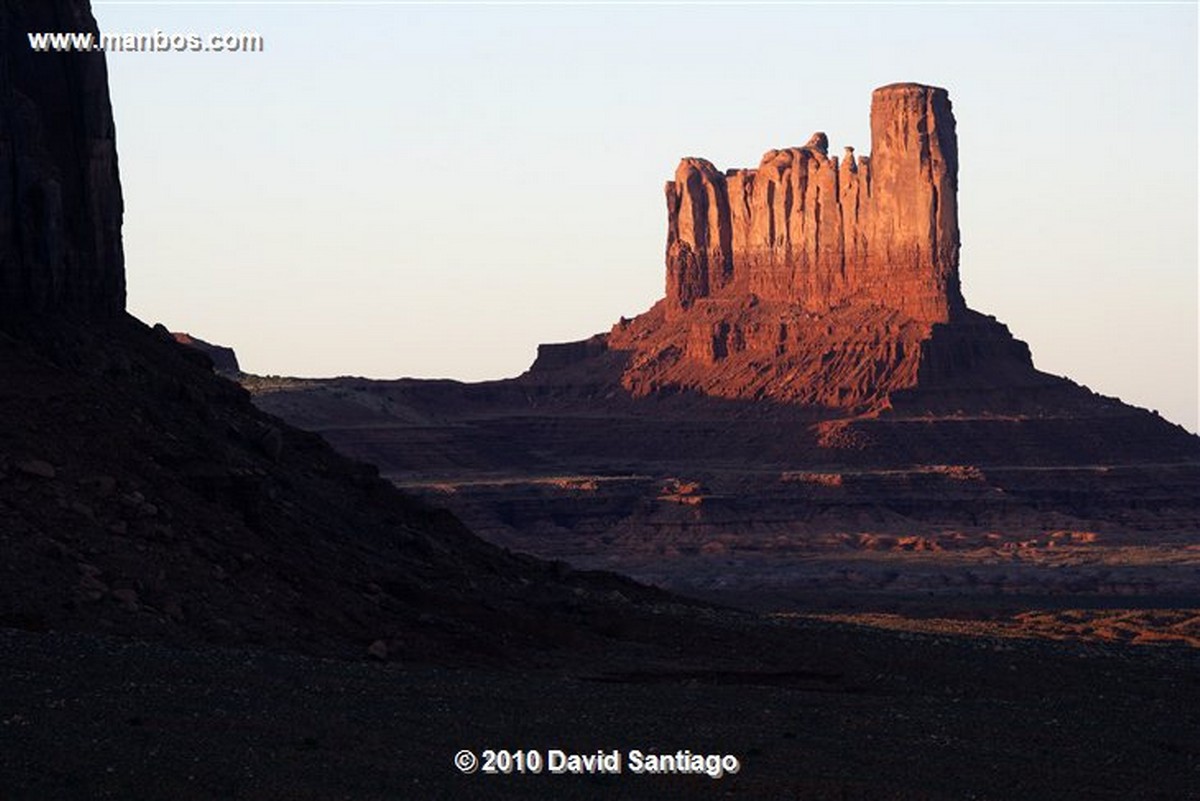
pixel 809 229
pixel 818 281
pixel 60 195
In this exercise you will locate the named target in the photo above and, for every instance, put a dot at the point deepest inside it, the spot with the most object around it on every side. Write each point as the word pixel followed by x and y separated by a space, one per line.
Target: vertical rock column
pixel 699 237
pixel 911 225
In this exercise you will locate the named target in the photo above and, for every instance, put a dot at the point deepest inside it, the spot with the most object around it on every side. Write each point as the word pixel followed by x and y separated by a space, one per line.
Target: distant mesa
pixel 224 359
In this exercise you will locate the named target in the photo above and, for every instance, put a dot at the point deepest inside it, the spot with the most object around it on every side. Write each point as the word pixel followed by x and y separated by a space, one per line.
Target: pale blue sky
pixel 432 191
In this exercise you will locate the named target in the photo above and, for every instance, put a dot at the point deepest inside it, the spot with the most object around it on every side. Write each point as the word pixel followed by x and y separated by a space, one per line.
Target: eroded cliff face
pixel 814 230
pixel 819 281
pixel 60 194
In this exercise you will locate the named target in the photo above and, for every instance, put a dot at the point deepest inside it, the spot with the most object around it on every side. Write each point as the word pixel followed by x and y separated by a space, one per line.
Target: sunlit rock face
pixel 60 195
pixel 830 282
pixel 814 230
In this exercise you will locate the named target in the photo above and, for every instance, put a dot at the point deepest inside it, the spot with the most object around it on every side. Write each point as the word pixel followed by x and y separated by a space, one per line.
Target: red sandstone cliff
pixel 816 280
pixel 810 229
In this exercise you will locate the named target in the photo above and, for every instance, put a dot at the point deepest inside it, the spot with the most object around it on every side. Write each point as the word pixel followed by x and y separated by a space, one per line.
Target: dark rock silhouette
pixel 224 360
pixel 60 195
pixel 141 494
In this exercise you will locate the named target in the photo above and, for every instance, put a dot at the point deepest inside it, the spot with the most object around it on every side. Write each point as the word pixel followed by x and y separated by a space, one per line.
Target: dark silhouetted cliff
pixel 60 195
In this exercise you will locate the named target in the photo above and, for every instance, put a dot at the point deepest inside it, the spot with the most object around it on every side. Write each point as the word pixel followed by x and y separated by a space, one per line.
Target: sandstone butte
pixel 813 315
pixel 809 229
pixel 812 388
pixel 816 279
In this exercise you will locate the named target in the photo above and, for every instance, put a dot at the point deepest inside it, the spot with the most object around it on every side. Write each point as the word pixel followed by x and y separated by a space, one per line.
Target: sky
pixel 428 190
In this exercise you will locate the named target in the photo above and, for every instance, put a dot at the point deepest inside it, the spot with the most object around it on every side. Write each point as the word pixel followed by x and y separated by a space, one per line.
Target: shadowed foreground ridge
pixel 142 494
